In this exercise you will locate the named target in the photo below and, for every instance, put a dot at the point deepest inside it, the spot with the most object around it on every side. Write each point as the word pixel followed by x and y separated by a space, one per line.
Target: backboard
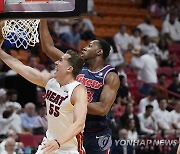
pixel 35 9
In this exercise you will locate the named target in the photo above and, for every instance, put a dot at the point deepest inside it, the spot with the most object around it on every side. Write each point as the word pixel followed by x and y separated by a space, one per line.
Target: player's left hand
pixel 49 147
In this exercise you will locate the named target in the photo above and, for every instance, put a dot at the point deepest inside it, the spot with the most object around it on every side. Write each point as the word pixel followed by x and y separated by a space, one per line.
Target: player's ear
pixel 99 52
pixel 70 69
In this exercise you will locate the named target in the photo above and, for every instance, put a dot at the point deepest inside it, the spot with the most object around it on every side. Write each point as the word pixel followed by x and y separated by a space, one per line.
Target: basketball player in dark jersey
pixel 102 83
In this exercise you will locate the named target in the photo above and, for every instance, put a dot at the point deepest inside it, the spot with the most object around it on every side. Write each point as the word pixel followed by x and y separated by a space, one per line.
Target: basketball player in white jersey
pixel 178 150
pixel 66 101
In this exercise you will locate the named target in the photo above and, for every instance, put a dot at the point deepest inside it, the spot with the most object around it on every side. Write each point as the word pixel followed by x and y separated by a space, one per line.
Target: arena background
pixel 156 37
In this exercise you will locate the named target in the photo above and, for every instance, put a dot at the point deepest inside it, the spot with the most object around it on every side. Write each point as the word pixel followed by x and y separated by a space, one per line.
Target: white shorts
pixel 39 151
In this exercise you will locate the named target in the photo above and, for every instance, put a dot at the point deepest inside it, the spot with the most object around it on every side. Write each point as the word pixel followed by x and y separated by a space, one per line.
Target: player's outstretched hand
pixel 49 147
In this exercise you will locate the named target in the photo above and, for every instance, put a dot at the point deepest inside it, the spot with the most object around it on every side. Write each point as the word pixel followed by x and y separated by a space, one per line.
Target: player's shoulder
pixel 107 68
pixel 80 86
pixel 79 91
pixel 112 75
pixel 112 78
pixel 50 80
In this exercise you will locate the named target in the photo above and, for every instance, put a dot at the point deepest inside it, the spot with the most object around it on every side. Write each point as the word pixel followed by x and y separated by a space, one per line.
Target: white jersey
pixel 60 112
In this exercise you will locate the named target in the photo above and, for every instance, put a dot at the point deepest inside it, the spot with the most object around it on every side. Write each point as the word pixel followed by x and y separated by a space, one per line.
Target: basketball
pixel 1 26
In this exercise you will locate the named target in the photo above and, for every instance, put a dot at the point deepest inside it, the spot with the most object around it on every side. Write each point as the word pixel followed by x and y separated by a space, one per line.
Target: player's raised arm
pixel 107 97
pixel 27 72
pixel 47 42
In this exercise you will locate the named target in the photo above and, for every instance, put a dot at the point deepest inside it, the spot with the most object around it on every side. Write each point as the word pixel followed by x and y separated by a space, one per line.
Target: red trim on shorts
pixel 79 138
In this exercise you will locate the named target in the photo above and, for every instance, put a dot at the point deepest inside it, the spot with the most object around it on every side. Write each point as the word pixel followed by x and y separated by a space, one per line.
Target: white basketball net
pixel 21 32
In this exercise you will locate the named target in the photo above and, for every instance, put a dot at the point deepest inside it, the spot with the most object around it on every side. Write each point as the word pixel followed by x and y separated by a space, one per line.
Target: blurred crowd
pixel 148 65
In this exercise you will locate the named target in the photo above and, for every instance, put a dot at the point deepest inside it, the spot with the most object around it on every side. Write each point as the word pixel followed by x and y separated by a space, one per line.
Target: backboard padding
pixel 17 9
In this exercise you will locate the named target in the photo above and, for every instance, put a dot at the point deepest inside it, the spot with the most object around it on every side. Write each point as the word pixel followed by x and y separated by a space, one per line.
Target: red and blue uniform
pixel 95 126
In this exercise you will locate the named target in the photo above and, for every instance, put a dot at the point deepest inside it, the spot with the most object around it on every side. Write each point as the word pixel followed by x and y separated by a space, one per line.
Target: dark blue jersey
pixel 94 82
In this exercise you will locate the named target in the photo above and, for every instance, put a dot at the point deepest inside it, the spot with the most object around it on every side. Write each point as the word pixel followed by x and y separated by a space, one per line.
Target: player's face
pixel 89 52
pixel 62 65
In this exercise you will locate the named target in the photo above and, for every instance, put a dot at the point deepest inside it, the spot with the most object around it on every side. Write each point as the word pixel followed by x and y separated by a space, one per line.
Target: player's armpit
pixel 107 97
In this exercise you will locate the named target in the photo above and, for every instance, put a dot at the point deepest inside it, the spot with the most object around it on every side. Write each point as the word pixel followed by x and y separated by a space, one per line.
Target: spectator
pixel 54 29
pixel 163 116
pixel 135 38
pixel 3 98
pixel 135 60
pixel 9 146
pixel 174 86
pixel 114 125
pixel 150 47
pixel 33 61
pixel 87 29
pixel 64 26
pixel 42 117
pixel 131 128
pixel 18 145
pixel 146 68
pixel 163 53
pixel 123 94
pixel 29 119
pixel 115 59
pixel 148 29
pixel 72 38
pixel 6 122
pixel 147 123
pixel 162 86
pixel 129 114
pixel 50 67
pixel 125 148
pixel 10 120
pixel 175 116
pixel 171 28
pixel 121 72
pixel 149 100
pixel 91 7
pixel 12 96
pixel 16 124
pixel 157 9
pixel 122 39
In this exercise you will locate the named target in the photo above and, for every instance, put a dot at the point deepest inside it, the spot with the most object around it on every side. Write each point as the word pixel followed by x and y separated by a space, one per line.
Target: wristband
pixel 57 143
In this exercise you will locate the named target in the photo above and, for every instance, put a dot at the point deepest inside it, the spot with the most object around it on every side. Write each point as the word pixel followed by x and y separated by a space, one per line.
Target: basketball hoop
pixel 21 32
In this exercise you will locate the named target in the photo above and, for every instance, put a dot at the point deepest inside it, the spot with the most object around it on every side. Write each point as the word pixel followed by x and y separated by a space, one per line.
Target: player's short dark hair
pixel 149 107
pixel 75 61
pixel 104 45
